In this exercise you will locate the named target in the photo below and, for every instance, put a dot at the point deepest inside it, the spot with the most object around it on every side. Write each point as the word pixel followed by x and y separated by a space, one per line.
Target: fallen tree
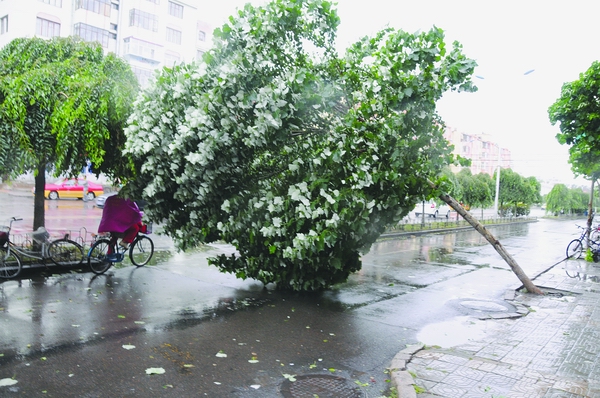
pixel 479 227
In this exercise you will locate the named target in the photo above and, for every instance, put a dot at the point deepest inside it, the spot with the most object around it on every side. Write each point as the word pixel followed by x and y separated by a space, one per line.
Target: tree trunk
pixel 493 241
pixel 590 218
pixel 39 210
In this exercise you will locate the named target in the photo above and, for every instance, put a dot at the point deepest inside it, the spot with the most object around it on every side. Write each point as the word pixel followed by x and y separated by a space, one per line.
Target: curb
pixel 400 378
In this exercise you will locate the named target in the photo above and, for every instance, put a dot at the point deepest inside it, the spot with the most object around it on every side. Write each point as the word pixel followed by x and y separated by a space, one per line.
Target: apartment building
pixel 149 34
pixel 485 154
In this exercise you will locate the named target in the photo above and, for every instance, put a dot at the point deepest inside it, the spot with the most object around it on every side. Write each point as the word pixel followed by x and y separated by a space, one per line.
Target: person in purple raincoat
pixel 121 215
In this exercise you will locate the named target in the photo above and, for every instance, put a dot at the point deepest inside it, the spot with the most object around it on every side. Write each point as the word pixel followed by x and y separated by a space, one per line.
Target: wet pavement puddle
pixel 455 332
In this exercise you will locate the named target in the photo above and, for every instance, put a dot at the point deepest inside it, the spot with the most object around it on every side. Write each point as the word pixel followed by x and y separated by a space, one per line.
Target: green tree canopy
pixel 476 190
pixel 517 193
pixel 558 199
pixel 297 157
pixel 62 101
pixel 578 113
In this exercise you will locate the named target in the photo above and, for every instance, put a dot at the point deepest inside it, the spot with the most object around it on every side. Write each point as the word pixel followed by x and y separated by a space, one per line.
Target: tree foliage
pixel 558 199
pixel 517 193
pixel 62 101
pixel 297 157
pixel 564 200
pixel 476 189
pixel 578 113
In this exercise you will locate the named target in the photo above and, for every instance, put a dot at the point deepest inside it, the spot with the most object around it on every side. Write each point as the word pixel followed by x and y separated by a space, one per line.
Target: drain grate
pixel 322 386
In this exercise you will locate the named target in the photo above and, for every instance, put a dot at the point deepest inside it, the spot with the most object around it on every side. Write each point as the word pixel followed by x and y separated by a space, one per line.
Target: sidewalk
pixel 553 351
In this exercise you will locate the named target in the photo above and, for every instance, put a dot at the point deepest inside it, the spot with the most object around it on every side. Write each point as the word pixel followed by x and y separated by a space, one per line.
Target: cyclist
pixel 123 216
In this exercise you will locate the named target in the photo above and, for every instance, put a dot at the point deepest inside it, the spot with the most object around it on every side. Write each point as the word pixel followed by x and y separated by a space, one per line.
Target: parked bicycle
pixel 105 251
pixel 577 246
pixel 62 252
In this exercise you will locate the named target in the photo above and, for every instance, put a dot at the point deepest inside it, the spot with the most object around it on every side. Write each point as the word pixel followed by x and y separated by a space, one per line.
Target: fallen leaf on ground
pixel 7 382
pixel 155 371
pixel 128 346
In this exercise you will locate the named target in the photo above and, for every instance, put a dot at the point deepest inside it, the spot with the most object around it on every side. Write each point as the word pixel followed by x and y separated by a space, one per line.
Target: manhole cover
pixel 485 308
pixel 322 386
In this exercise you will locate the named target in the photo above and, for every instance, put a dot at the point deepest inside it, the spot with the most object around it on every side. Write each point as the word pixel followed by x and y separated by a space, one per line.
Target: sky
pixel 557 40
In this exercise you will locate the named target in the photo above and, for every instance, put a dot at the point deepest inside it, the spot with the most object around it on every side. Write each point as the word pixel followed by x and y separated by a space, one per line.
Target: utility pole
pixel 497 184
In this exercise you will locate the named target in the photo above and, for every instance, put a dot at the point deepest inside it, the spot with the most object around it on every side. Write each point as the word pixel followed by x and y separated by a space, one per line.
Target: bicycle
pixel 62 252
pixel 576 246
pixel 105 251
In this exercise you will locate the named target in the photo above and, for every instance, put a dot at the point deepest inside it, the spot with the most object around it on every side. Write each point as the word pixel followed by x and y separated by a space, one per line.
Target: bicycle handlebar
pixel 17 219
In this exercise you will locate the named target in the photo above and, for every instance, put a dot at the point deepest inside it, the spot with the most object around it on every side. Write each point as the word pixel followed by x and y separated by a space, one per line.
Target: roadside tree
pixel 517 193
pixel 62 101
pixel 558 199
pixel 475 189
pixel 579 201
pixel 577 112
pixel 297 157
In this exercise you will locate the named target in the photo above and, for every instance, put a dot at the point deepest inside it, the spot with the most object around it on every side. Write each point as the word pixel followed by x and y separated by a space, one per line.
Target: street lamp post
pixel 497 184
pixel 499 153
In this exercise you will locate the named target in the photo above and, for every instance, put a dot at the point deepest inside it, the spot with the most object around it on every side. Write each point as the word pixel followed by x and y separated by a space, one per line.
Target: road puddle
pixel 458 331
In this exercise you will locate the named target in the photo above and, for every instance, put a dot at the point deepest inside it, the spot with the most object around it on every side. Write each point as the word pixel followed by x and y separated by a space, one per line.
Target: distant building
pixel 484 153
pixel 149 34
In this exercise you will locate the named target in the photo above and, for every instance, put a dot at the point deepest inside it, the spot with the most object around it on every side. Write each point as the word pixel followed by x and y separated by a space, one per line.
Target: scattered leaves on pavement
pixel 7 382
pixel 155 371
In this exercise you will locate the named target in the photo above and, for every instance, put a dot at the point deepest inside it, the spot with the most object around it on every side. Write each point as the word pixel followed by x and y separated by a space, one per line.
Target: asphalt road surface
pixel 180 328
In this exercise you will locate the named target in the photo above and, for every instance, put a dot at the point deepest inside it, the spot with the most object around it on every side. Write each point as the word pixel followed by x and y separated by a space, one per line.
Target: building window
pixel 115 6
pixel 143 20
pixel 3 24
pixel 201 35
pixel 91 33
pixel 173 36
pixel 175 9
pixel 140 49
pixel 56 3
pixel 45 28
pixel 199 54
pixel 101 7
pixel 171 59
pixel 113 26
pixel 143 75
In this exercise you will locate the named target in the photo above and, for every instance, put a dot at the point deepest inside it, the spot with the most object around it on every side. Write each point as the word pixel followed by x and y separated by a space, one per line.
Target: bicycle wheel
pixel 98 256
pixel 141 250
pixel 574 249
pixel 65 252
pixel 10 264
pixel 595 234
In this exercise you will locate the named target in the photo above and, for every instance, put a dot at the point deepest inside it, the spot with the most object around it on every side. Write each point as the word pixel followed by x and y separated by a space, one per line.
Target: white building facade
pixel 149 34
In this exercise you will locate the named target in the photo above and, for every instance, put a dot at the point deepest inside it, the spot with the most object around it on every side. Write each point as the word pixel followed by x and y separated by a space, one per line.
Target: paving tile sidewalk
pixel 553 351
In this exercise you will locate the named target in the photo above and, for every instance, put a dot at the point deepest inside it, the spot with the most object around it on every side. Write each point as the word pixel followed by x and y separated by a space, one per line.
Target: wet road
pixel 72 334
